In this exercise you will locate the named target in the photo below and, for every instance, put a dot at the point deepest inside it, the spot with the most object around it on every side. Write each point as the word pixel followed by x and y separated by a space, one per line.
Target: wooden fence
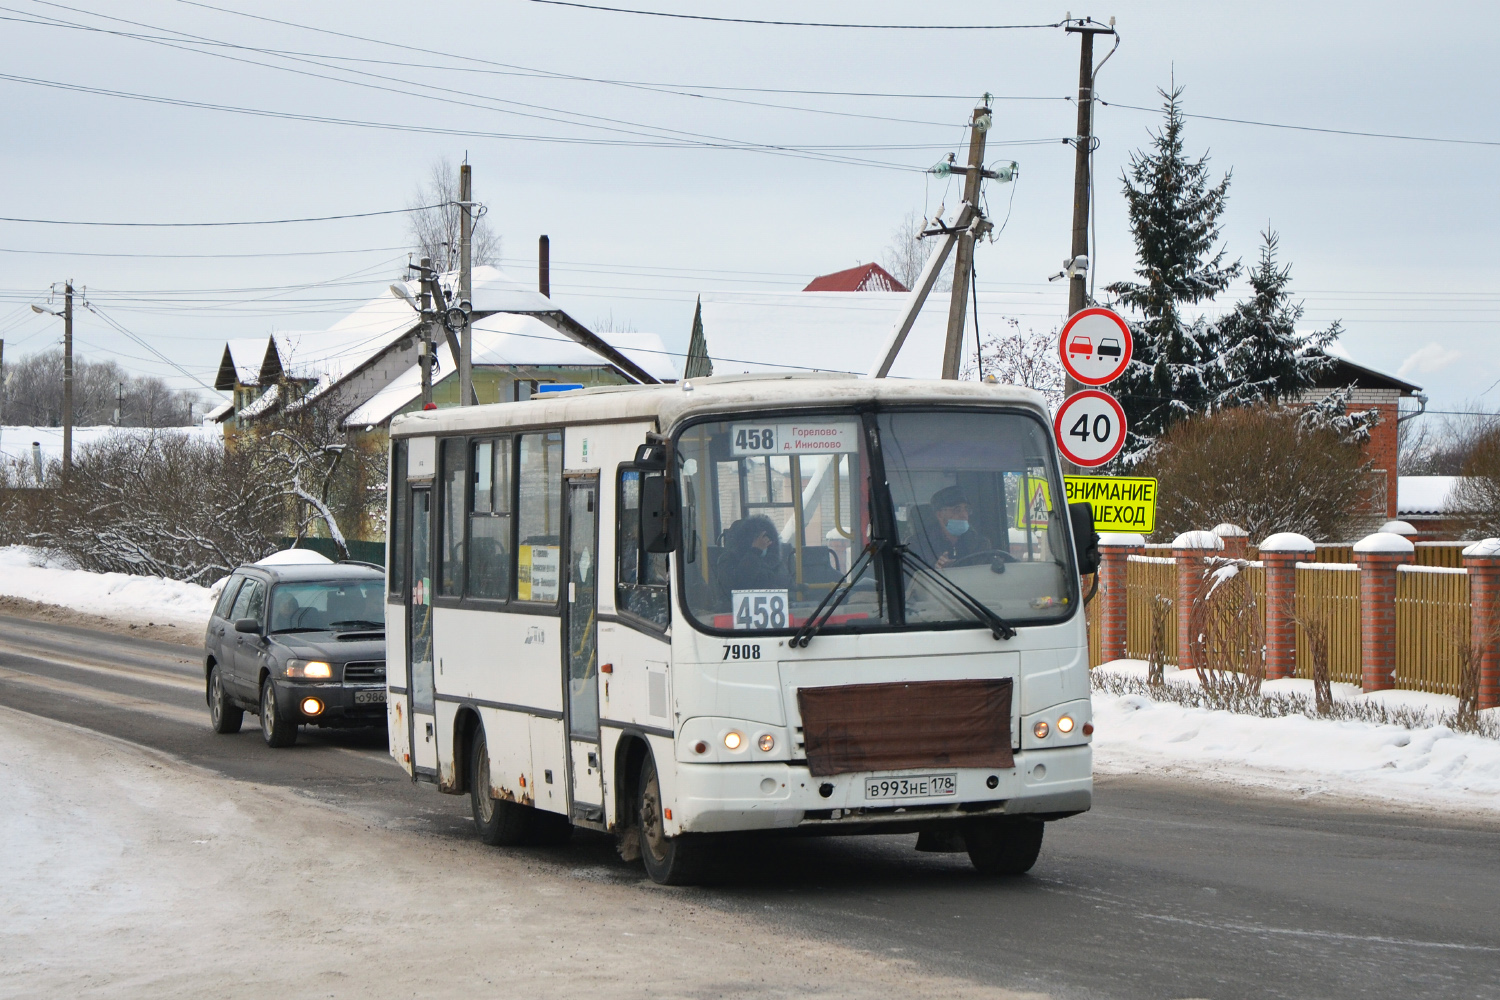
pixel 1432 627
pixel 1096 630
pixel 1146 578
pixel 1330 592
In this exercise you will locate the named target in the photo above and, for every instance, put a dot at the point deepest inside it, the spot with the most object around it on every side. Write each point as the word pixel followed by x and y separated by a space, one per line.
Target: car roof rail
pixel 361 562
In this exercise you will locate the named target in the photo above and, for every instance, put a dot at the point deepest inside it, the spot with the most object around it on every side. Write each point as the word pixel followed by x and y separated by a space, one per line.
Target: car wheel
pixel 500 823
pixel 277 729
pixel 225 714
pixel 1004 845
pixel 669 860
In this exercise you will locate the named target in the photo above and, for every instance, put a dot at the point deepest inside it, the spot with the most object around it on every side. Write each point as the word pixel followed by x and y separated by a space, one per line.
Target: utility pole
pixel 119 402
pixel 963 265
pixel 2 396
pixel 466 284
pixel 67 462
pixel 544 265
pixel 424 344
pixel 1083 141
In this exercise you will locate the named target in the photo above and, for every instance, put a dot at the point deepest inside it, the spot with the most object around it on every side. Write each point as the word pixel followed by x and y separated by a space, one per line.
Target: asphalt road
pixel 1163 890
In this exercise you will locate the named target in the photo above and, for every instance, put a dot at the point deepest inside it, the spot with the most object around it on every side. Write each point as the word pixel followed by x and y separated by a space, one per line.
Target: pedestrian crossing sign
pixel 1035 510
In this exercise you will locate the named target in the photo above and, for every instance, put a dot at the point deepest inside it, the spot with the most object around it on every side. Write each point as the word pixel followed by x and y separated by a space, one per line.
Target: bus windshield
pixel 777 512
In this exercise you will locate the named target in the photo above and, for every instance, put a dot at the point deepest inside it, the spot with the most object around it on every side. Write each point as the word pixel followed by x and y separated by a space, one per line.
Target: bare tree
pixel 434 232
pixel 906 254
pixel 33 394
pixel 1027 359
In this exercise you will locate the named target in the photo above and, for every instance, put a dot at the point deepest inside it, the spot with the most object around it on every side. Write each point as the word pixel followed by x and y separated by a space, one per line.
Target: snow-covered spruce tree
pixel 1174 218
pixel 1265 358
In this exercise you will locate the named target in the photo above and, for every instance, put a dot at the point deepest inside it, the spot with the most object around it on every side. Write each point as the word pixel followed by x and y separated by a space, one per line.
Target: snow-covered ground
pixel 1430 765
pixel 32 574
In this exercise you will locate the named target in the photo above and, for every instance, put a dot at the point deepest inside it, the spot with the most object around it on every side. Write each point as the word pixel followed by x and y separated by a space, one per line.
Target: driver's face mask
pixel 956 527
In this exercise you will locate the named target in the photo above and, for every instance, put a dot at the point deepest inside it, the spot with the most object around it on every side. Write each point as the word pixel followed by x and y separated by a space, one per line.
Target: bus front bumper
pixel 721 798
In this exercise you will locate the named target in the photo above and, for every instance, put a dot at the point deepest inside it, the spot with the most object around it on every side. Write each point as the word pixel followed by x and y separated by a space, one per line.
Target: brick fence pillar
pixel 1482 560
pixel 1114 550
pixel 1280 553
pixel 1236 539
pixel 1191 549
pixel 1377 556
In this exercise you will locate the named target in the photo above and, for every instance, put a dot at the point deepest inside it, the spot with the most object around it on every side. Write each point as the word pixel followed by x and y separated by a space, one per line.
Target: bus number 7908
pixel 749 651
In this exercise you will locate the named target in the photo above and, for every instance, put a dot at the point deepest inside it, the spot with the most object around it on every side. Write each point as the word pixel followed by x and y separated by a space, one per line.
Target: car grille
pixel 365 672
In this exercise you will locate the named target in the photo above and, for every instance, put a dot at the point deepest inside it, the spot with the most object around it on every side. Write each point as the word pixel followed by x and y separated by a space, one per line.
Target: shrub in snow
pixel 1261 467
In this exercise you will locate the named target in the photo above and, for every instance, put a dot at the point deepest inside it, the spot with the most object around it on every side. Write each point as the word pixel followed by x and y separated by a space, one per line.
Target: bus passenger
pixel 752 558
pixel 944 535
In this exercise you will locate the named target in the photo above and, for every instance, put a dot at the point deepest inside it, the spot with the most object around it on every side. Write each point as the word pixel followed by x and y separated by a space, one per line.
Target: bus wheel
pixel 1003 845
pixel 226 716
pixel 500 823
pixel 669 860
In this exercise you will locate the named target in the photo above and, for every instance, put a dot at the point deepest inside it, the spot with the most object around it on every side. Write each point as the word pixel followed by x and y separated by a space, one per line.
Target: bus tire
pixel 500 823
pixel 276 727
pixel 1003 845
pixel 226 716
pixel 669 860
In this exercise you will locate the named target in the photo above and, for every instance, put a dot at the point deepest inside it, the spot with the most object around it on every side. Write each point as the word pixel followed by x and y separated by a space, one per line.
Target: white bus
pixel 789 603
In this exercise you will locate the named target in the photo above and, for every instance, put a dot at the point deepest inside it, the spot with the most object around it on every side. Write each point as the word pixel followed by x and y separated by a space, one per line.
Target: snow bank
pixel 32 574
pixel 1429 765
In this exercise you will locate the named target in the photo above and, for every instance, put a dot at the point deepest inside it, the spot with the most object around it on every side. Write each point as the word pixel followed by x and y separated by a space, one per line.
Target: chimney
pixel 544 266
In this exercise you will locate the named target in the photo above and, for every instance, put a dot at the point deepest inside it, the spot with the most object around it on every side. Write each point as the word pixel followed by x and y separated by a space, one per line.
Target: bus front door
pixel 419 637
pixel 581 655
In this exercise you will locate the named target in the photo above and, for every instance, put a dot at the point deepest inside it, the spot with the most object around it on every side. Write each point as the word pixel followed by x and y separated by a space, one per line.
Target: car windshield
pixel 775 512
pixel 318 605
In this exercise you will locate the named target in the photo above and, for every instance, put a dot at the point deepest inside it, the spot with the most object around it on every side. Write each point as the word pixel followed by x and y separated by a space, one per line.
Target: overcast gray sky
pixel 1395 238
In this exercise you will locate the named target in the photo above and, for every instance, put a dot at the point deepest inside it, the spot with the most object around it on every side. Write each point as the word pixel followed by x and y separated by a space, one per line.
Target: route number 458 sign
pixel 1089 428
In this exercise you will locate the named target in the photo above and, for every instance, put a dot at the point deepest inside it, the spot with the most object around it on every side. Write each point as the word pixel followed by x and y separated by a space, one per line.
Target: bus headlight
pixel 767 742
pixel 733 740
pixel 1065 725
pixel 315 669
pixel 1040 730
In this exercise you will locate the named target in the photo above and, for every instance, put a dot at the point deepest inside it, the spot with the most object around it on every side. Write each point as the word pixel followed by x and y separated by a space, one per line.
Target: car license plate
pixel 374 697
pixel 912 786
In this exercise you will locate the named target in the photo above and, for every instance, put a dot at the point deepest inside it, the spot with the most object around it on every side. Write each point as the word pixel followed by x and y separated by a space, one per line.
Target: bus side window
pixel 539 517
pixel 489 519
pixel 395 532
pixel 640 577
pixel 451 518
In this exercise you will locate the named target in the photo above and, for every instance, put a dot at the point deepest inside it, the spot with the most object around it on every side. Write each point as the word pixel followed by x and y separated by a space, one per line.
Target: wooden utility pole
pixel 2 396
pixel 1083 142
pixel 964 262
pixel 544 266
pixel 466 284
pixel 424 345
pixel 67 458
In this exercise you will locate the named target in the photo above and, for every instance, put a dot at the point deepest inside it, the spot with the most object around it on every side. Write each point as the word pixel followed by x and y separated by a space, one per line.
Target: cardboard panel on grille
pixel 908 724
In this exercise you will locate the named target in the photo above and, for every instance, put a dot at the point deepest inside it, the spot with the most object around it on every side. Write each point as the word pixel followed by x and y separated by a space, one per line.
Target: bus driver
pixel 945 535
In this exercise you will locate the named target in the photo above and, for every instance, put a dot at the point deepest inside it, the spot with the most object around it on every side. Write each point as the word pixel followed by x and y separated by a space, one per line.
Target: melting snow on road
pixel 36 576
pixel 1428 765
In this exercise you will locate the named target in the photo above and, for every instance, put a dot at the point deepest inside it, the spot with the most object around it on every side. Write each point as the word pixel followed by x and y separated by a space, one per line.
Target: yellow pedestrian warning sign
pixel 1036 509
pixel 1120 503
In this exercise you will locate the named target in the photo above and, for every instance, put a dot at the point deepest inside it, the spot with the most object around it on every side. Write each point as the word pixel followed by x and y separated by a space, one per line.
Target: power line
pixel 254 222
pixel 1310 128
pixel 198 256
pixel 798 24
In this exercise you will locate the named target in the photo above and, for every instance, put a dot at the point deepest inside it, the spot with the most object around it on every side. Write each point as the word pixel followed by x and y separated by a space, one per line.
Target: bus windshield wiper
pixel 835 596
pixel 998 626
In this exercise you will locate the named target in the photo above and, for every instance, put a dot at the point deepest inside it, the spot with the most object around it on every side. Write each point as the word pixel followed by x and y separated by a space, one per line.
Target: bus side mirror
pixel 651 456
pixel 658 515
pixel 1085 538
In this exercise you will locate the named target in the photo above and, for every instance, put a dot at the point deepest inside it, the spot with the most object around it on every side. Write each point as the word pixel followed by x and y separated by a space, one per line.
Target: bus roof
pixel 669 404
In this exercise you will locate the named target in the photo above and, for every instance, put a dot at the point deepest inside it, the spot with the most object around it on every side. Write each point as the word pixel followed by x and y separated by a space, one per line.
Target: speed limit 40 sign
pixel 1089 428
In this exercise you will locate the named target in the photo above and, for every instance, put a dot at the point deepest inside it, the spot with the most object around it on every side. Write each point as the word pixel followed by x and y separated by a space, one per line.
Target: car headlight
pixel 312 669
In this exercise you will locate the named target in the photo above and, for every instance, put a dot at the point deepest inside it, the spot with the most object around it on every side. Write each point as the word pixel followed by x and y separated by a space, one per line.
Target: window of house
pixel 490 518
pixel 451 509
pixel 539 516
pixel 640 576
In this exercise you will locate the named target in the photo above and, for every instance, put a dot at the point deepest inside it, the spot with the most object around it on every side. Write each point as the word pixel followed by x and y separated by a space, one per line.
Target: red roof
pixel 864 278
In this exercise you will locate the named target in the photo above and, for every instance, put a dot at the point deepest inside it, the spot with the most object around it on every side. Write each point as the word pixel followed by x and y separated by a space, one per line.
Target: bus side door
pixel 419 636
pixel 581 655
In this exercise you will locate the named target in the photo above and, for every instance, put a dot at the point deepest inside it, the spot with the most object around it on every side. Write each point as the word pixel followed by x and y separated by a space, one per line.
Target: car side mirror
pixel 659 520
pixel 249 625
pixel 1085 538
